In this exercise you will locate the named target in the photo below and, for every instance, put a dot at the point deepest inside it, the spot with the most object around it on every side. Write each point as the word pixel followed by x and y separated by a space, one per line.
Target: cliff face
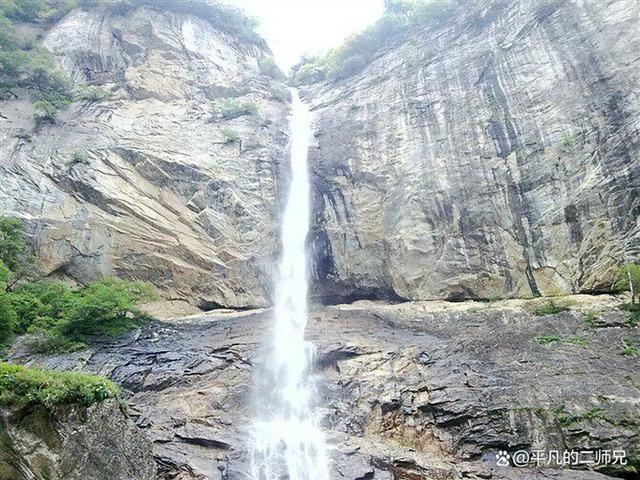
pixel 164 181
pixel 73 443
pixel 495 155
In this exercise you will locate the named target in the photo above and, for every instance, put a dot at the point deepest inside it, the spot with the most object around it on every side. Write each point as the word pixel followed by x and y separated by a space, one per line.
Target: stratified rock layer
pixel 419 390
pixel 155 183
pixel 495 155
pixel 73 443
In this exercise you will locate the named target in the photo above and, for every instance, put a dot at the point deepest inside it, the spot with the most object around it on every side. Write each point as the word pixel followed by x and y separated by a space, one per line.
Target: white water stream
pixel 287 442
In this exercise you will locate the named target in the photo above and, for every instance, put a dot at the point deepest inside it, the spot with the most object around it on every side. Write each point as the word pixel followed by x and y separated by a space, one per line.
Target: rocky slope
pixel 77 443
pixel 495 155
pixel 156 183
pixel 420 390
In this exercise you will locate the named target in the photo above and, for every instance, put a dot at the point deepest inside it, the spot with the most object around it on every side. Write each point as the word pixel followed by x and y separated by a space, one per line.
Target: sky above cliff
pixel 295 27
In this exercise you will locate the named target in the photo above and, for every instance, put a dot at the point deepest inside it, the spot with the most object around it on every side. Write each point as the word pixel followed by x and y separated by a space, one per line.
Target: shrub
pixel 427 13
pixel 630 347
pixel 230 135
pixel 78 156
pixel 25 66
pixel 61 318
pixel 94 95
pixel 567 141
pixel 45 112
pixel 566 419
pixel 106 307
pixel 577 341
pixel 40 306
pixel 226 18
pixel 550 307
pixel 349 66
pixel 36 11
pixel 280 92
pixel 591 320
pixel 548 339
pixel 54 343
pixel 5 275
pixel 60 315
pixel 13 244
pixel 8 317
pixel 269 68
pixel 629 279
pixel 309 73
pixel 31 387
pixel 236 108
pixel 358 51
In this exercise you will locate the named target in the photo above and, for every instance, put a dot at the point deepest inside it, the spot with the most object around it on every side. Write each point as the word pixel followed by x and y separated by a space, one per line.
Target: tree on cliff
pixel 629 279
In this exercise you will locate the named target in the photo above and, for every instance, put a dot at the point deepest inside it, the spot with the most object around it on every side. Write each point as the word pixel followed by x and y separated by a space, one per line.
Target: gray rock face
pixel 420 390
pixel 495 155
pixel 152 184
pixel 97 443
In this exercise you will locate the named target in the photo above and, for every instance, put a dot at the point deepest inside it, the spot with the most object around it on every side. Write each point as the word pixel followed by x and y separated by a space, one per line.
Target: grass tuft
pixel 31 387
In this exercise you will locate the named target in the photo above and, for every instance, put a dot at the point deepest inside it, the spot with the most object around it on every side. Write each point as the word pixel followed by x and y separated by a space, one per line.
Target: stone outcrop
pixel 494 155
pixel 73 443
pixel 164 181
pixel 419 390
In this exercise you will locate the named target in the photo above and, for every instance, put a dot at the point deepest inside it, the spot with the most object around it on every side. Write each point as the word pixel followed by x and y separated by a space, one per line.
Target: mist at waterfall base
pixel 286 442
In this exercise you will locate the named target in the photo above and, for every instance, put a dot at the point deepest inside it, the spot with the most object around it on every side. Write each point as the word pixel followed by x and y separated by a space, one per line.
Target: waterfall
pixel 286 440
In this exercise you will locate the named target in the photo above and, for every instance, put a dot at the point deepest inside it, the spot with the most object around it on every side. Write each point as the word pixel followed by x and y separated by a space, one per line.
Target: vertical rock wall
pixel 494 155
pixel 156 182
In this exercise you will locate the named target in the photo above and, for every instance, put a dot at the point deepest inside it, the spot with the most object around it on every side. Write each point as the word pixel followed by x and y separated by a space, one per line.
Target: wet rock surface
pixel 418 390
pixel 494 155
pixel 97 443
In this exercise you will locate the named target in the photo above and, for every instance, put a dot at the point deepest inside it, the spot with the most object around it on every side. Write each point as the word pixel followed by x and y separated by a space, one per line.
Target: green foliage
pixel 567 419
pixel 8 317
pixel 78 156
pixel 93 94
pixel 59 315
pixel 567 141
pixel 5 275
pixel 54 343
pixel 548 339
pixel 233 108
pixel 399 20
pixel 40 306
pixel 630 347
pixel 230 135
pixel 633 319
pixel 45 112
pixel 550 307
pixel 309 71
pixel 590 320
pixel 280 92
pixel 36 11
pixel 12 243
pixel 25 66
pixel 226 18
pixel 628 279
pixel 30 387
pixel 269 68
pixel 106 307
pixel 577 341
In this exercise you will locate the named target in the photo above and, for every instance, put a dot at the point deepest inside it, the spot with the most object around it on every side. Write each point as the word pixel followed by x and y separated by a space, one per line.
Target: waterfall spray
pixel 287 442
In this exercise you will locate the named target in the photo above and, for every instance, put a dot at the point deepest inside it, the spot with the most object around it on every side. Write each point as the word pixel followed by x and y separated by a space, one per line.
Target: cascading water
pixel 287 443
